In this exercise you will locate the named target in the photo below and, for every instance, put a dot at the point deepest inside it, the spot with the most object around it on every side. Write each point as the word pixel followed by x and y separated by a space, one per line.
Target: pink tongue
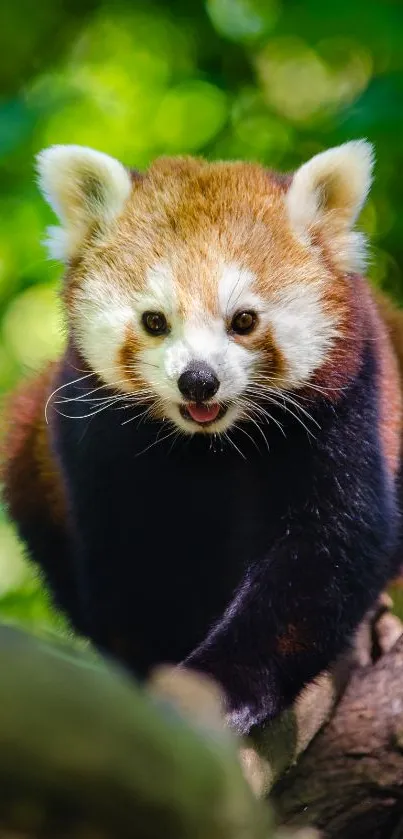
pixel 203 413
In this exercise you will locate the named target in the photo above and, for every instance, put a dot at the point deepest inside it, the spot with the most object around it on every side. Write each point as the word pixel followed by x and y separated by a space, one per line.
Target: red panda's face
pixel 205 290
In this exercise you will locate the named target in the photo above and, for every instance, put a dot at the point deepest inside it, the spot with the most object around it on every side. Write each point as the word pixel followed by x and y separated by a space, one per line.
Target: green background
pixel 255 79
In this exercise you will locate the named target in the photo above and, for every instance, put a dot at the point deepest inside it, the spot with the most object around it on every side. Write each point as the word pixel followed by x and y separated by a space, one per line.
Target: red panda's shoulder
pixel 29 473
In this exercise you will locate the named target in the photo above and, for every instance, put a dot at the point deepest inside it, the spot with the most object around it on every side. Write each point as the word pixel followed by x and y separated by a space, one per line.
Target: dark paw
pixel 244 716
pixel 243 719
pixel 252 695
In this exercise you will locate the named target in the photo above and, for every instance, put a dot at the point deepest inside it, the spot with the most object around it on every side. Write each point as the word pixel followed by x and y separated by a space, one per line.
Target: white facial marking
pixel 159 293
pixel 102 315
pixel 302 329
pixel 204 337
pixel 235 289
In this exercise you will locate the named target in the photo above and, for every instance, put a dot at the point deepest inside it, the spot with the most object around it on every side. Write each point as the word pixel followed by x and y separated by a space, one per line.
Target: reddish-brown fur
pixel 29 472
pixel 390 347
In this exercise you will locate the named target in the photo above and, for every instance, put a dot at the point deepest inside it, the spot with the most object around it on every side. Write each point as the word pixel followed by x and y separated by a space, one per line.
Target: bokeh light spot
pixel 190 115
pixel 264 135
pixel 32 327
pixel 300 82
pixel 13 569
pixel 8 369
pixel 295 80
pixel 243 20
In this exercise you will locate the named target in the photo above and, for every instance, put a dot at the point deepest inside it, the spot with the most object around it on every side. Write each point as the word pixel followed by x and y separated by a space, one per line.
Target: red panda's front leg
pixel 281 631
pixel 297 609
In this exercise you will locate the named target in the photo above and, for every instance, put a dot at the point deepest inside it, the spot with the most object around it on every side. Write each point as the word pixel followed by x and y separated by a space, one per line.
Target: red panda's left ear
pixel 326 196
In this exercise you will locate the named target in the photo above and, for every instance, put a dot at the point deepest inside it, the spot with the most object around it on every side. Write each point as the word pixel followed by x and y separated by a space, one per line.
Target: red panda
pixel 210 474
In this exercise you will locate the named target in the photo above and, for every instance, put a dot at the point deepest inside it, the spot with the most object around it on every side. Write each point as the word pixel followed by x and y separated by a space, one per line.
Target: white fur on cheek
pixel 101 317
pixel 301 327
pixel 303 330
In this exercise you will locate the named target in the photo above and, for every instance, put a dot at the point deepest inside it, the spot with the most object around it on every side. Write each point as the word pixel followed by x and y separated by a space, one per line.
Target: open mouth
pixel 202 414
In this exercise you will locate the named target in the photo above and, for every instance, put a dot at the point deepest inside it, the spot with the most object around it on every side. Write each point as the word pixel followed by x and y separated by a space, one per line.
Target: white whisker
pixel 260 412
pixel 66 384
pixel 82 416
pixel 227 437
pixel 239 428
pixel 158 440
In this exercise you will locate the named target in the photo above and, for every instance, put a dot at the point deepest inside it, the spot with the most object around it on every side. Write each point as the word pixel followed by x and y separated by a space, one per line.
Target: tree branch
pixel 349 782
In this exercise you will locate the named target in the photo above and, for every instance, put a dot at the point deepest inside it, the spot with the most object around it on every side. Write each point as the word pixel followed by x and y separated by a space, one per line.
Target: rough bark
pixel 347 781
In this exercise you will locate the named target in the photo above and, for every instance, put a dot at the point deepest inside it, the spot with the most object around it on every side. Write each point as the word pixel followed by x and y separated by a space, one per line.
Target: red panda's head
pixel 204 287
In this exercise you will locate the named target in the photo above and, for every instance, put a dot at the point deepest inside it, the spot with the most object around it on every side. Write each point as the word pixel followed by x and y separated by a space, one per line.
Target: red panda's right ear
pixel 86 189
pixel 326 196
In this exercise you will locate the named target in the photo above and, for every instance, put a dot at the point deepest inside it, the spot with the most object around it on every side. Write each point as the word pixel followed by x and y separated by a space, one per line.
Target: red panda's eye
pixel 155 323
pixel 243 322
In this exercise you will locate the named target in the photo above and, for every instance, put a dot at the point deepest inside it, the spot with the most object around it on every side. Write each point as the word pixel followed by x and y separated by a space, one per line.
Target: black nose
pixel 198 383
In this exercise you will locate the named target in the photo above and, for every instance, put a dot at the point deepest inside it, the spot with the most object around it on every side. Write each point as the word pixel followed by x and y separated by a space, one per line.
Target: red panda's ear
pixel 87 190
pixel 326 196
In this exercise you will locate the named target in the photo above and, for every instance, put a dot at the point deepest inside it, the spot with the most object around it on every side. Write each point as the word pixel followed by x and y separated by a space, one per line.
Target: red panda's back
pixel 389 336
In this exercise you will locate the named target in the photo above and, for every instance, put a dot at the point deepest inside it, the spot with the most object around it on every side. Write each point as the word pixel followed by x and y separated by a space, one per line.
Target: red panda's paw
pixel 241 720
pixel 252 695
pixel 252 713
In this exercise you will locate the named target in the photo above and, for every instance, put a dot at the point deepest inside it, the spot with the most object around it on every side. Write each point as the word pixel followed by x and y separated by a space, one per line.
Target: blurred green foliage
pixel 268 80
